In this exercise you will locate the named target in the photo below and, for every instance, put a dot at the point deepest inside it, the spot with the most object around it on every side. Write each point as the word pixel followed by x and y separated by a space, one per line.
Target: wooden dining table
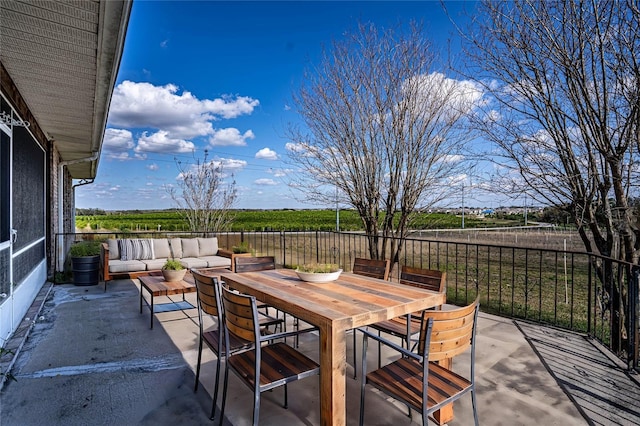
pixel 335 307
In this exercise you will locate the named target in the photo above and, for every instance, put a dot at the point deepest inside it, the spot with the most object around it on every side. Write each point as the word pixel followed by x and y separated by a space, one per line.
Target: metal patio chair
pixel 265 366
pixel 210 305
pixel 407 326
pixel 373 268
pixel 417 379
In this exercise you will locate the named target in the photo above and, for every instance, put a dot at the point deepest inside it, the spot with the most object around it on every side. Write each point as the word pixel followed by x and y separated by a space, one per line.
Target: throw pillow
pixel 190 247
pixel 208 246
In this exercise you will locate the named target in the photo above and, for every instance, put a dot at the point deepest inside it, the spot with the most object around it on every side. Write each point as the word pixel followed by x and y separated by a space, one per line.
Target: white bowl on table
pixel 318 277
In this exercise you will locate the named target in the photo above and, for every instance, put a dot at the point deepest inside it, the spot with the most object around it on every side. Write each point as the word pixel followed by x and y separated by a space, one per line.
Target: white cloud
pixel 280 172
pixel 117 140
pixel 265 182
pixel 452 158
pixel 160 142
pixel 230 137
pixel 164 43
pixel 266 154
pixel 295 147
pixel 120 156
pixel 460 96
pixel 182 115
pixel 153 167
pixel 231 165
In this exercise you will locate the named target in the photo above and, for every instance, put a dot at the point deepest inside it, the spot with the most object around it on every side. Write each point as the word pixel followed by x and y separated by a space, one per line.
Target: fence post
pixel 283 244
pixel 317 247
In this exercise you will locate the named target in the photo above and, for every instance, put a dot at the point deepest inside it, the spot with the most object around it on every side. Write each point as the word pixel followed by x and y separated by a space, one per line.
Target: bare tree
pixel 204 200
pixel 563 107
pixel 382 129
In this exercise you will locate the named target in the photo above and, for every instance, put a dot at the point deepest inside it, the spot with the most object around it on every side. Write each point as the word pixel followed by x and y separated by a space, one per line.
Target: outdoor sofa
pixel 134 257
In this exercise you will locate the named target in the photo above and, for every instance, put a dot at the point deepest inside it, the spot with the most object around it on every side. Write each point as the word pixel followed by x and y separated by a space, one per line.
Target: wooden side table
pixel 155 285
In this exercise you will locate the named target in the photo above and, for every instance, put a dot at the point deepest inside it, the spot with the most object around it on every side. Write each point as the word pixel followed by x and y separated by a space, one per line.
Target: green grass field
pixel 272 220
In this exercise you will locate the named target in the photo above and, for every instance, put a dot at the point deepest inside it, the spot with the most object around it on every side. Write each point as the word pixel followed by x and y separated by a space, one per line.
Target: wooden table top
pixel 157 286
pixel 349 302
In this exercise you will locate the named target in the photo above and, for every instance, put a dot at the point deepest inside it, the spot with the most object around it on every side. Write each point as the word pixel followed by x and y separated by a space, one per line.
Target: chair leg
pixel 195 388
pixel 355 362
pixel 475 407
pixel 286 397
pixel 363 380
pixel 379 351
pixel 215 391
pixel 224 392
pixel 256 406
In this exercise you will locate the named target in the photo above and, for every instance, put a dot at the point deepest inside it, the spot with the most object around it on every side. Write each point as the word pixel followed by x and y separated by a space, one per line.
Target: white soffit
pixel 63 57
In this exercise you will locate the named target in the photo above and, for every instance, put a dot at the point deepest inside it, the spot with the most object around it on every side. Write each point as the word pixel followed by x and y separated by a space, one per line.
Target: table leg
pixel 333 384
pixel 151 294
pixel 445 414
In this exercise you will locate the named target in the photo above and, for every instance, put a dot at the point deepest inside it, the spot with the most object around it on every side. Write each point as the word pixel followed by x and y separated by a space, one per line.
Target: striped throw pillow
pixel 135 249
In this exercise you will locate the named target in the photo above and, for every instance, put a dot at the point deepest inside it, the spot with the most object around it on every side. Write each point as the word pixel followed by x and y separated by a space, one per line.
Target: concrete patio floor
pixel 90 359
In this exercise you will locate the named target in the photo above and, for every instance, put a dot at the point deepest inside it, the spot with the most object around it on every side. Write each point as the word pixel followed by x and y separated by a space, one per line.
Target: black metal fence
pixel 571 290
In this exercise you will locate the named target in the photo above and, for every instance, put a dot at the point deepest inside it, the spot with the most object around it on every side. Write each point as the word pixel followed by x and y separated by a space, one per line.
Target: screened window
pixel 5 167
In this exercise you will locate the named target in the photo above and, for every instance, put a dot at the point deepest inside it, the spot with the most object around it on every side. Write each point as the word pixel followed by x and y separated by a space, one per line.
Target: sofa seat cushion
pixel 193 262
pixel 216 261
pixel 154 264
pixel 121 266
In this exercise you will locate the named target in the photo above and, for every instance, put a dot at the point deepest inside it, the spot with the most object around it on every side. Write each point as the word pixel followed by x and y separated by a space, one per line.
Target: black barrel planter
pixel 85 262
pixel 86 270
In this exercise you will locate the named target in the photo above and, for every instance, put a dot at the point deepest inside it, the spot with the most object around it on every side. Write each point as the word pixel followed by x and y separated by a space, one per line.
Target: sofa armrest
pixel 225 253
pixel 231 255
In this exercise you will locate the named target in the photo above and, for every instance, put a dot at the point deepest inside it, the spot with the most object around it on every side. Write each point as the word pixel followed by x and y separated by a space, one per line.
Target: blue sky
pixel 220 76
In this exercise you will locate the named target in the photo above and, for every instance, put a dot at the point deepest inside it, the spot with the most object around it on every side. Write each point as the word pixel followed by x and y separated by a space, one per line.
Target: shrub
pixel 318 267
pixel 85 248
pixel 173 265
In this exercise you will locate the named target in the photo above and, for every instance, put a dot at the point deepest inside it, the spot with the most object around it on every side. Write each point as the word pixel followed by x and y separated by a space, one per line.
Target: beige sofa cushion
pixel 161 248
pixel 193 262
pixel 114 253
pixel 208 246
pixel 154 264
pixel 176 247
pixel 217 261
pixel 121 266
pixel 190 247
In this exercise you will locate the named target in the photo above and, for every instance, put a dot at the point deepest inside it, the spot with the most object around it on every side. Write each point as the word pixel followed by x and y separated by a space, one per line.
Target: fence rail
pixel 572 290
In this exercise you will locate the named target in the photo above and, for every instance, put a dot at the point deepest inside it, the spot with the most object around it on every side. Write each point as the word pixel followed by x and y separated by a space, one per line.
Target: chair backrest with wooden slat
pixel 241 315
pixel 208 297
pixel 252 264
pixel 452 333
pixel 373 268
pixel 430 279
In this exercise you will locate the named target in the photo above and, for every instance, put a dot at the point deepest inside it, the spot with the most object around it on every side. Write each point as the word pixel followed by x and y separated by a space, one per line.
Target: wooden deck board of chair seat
pixel 398 326
pixel 280 364
pixel 403 380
